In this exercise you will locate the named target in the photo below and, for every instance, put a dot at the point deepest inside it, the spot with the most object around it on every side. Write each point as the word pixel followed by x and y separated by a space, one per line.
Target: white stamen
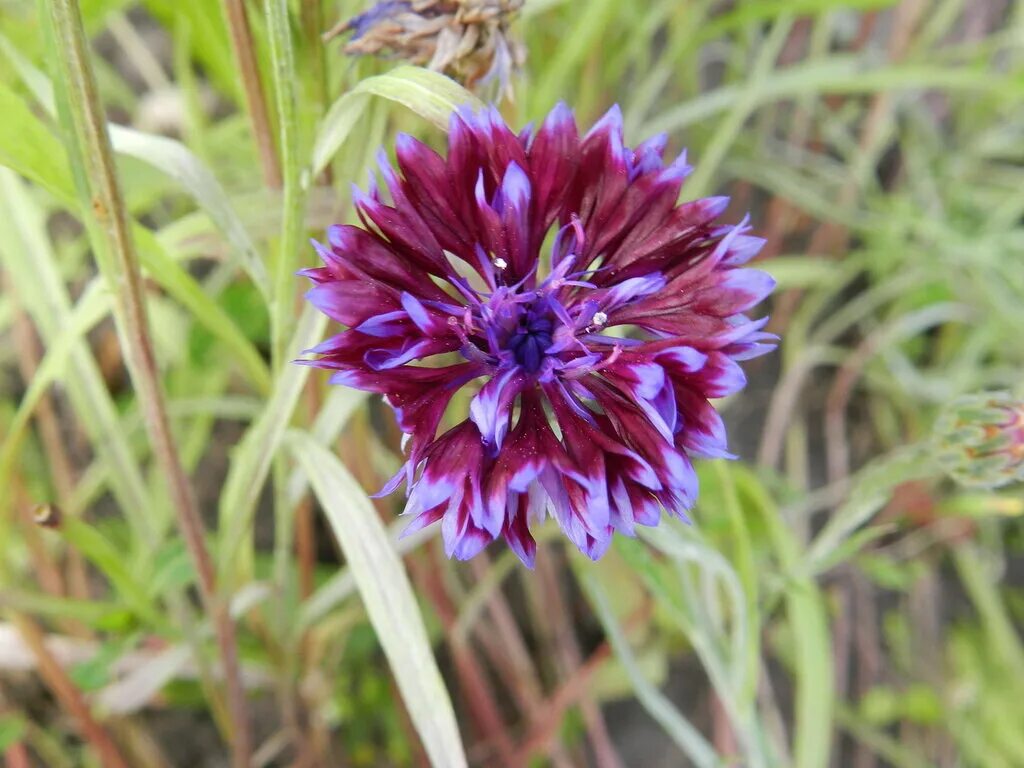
pixel 500 263
pixel 600 318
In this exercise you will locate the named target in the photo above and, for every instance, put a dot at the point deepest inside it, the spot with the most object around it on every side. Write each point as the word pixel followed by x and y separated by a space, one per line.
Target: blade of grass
pixel 174 159
pixel 658 706
pixel 432 96
pixel 251 459
pixel 812 651
pixel 26 254
pixel 284 79
pixel 96 178
pixel 726 132
pixel 388 598
pixel 26 146
pixel 90 309
pixel 836 75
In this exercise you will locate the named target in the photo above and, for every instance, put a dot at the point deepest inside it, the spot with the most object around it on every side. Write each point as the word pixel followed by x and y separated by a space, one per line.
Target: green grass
pixel 837 597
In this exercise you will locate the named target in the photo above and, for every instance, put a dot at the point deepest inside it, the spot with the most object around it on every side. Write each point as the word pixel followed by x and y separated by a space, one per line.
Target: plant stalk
pixel 118 261
pixel 244 48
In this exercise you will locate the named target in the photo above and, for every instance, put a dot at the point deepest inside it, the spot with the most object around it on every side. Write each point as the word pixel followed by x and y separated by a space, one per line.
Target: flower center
pixel 530 339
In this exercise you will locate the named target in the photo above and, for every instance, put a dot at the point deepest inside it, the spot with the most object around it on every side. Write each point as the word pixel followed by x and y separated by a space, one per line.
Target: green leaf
pixel 430 95
pixel 388 598
pixel 871 490
pixel 251 459
pixel 100 614
pixel 110 561
pixel 835 75
pixel 174 159
pixel 92 307
pixel 96 672
pixel 26 253
pixel 29 148
pixel 812 641
pixel 172 569
pixel 679 729
pixel 176 280
pixel 803 271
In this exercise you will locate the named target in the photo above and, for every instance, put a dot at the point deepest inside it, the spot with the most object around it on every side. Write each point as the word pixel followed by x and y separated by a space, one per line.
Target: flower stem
pixel 118 261
pixel 244 48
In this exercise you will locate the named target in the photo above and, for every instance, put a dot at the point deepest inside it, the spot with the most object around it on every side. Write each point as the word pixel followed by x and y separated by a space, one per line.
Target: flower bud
pixel 979 440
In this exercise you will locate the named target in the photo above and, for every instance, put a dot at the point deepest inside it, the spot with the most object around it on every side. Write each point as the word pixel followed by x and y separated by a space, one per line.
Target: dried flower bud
pixel 466 39
pixel 979 440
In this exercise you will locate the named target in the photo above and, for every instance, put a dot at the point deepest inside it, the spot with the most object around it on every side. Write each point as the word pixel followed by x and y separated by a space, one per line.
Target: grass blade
pixel 682 732
pixel 388 598
pixel 430 95
pixel 174 159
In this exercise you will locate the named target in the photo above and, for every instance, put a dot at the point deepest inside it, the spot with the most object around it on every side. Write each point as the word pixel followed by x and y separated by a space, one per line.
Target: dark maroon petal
pixel 642 209
pixel 553 157
pixel 364 254
pixel 350 302
pixel 427 186
pixel 601 179
pixel 736 291
pixel 517 530
pixel 530 448
pixel 404 230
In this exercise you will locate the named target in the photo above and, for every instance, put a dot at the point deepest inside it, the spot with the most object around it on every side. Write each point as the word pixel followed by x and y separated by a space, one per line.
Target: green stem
pixel 284 287
pixel 110 234
pixel 283 293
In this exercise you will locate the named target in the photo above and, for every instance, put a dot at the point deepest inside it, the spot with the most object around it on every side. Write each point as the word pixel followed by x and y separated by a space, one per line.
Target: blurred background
pixel 852 593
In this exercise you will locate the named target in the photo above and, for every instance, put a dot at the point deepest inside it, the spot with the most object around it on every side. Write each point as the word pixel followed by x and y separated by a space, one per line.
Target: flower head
pixel 555 279
pixel 467 39
pixel 980 440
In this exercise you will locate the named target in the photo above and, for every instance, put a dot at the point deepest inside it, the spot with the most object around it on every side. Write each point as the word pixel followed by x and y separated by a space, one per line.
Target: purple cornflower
pixel 556 279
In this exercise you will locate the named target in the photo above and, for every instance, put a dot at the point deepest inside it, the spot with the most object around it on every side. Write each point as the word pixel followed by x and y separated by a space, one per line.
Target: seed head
pixel 465 39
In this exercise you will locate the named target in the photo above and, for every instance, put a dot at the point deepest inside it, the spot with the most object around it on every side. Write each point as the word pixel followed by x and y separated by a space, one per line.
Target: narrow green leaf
pixel 429 94
pixel 870 491
pixel 388 598
pixel 109 559
pixel 251 459
pixel 25 251
pixel 100 614
pixel 29 148
pixel 812 640
pixel 174 159
pixel 285 85
pixel 658 706
pixel 176 280
pixel 835 75
pixel 92 307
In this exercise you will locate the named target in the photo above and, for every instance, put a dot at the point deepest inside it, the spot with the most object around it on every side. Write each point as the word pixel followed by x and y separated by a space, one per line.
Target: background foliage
pixel 838 602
